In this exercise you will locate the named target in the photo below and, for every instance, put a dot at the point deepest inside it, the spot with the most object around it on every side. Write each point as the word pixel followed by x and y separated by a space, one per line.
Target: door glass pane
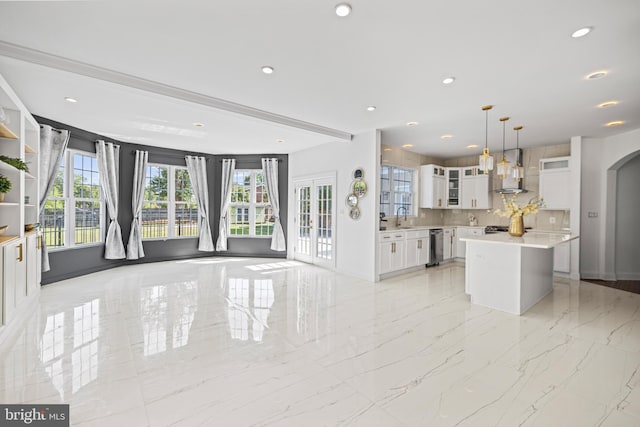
pixel 303 244
pixel 324 220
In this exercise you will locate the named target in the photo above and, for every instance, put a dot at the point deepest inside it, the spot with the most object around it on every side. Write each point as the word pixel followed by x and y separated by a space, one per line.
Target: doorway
pixel 315 221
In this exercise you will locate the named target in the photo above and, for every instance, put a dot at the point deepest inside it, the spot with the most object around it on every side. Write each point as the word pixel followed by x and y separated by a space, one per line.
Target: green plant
pixel 15 162
pixel 5 184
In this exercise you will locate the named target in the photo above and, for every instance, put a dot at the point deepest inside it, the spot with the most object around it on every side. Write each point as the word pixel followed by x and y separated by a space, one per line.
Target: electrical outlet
pixel 592 214
pixel 552 220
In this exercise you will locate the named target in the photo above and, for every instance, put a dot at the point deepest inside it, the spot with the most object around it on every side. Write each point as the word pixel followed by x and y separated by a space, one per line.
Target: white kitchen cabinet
pixel 562 258
pixel 447 243
pixel 34 263
pixel 453 184
pixel 461 232
pixel 476 189
pixel 417 248
pixel 391 252
pixel 555 179
pixel 14 278
pixel 432 187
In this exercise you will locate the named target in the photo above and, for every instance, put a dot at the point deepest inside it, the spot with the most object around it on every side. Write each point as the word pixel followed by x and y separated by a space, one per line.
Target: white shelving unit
pixel 20 250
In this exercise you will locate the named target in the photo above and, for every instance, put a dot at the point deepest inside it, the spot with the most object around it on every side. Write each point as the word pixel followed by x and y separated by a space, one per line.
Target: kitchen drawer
pixel 417 234
pixel 392 236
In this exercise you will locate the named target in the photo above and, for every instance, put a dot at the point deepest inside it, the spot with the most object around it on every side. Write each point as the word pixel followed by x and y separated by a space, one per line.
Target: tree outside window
pixel 250 212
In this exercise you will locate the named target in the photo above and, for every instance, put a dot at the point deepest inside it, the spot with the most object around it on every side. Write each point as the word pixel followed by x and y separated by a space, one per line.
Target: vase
pixel 516 226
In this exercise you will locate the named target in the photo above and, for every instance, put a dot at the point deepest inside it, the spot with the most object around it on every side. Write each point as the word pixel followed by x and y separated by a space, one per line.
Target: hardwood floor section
pixel 625 285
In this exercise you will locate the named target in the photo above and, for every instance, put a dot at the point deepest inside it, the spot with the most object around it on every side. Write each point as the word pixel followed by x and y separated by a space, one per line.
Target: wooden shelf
pixel 4 239
pixel 29 150
pixel 9 204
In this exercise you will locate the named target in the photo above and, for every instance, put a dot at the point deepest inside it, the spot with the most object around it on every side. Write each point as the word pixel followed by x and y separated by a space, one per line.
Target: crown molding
pixel 34 56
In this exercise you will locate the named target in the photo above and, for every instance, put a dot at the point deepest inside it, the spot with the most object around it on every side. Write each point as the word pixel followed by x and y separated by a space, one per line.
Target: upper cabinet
pixel 432 187
pixel 555 176
pixel 476 189
pixel 454 185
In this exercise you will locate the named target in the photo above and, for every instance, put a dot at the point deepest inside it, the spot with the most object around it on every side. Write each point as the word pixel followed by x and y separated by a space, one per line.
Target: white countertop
pixel 544 240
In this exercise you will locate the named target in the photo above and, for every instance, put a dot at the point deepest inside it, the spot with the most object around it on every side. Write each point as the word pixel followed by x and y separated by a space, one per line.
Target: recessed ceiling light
pixel 387 149
pixel 596 75
pixel 608 104
pixel 407 145
pixel 343 9
pixel 446 136
pixel 581 32
pixel 72 100
pixel 615 123
pixel 412 123
pixel 267 69
pixel 472 146
pixel 198 124
pixel 371 108
pixel 449 80
pixel 279 140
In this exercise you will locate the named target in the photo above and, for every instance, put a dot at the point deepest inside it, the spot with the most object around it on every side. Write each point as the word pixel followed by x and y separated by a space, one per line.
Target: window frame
pixel 171 204
pixel 414 190
pixel 69 199
pixel 252 205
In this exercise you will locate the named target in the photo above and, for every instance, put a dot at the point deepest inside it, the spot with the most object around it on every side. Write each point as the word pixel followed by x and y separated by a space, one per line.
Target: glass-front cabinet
pixel 453 187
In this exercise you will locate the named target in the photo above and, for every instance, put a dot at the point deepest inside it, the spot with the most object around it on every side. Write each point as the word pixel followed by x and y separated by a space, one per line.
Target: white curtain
pixel 270 170
pixel 197 167
pixel 228 166
pixel 108 156
pixel 134 246
pixel 53 142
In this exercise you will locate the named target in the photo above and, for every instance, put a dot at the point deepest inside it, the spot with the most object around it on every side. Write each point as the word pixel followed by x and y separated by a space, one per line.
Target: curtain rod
pixel 53 129
pixel 171 156
pixel 241 160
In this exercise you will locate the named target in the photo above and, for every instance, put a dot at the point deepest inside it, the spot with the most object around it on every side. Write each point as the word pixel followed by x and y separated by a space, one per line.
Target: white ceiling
pixel 143 71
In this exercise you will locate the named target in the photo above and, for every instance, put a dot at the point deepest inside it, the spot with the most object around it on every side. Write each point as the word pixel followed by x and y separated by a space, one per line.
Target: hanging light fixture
pixel 503 164
pixel 486 160
pixel 517 172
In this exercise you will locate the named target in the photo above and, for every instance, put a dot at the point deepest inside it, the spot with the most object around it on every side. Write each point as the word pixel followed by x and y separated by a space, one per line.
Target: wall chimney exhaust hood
pixel 510 185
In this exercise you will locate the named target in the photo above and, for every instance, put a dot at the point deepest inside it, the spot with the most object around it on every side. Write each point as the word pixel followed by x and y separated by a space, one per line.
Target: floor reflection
pixel 167 319
pixel 246 314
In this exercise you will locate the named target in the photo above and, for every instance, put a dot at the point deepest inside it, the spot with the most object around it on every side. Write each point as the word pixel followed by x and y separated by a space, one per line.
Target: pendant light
pixel 503 165
pixel 486 160
pixel 517 172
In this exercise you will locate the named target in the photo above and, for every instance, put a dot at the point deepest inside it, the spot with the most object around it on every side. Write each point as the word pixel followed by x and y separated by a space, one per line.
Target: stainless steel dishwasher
pixel 436 244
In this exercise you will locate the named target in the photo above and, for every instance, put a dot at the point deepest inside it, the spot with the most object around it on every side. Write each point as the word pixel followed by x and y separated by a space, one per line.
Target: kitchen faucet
pixel 398 215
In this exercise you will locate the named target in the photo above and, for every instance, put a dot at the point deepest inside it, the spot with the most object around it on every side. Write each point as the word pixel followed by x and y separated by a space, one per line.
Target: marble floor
pixel 243 342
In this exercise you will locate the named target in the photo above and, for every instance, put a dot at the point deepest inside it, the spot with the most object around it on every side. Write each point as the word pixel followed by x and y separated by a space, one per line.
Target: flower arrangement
pixel 512 209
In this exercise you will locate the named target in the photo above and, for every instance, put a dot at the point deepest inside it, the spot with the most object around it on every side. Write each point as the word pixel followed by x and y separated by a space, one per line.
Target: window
pixel 250 211
pixel 396 190
pixel 169 209
pixel 73 214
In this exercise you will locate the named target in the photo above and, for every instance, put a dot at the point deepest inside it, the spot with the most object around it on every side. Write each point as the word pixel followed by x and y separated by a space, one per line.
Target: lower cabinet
pixel 461 247
pixel 14 278
pixel 391 257
pixel 447 246
pixel 417 248
pixel 21 274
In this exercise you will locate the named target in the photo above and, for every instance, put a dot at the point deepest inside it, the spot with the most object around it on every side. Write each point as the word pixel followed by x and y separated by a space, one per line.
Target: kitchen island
pixel 510 273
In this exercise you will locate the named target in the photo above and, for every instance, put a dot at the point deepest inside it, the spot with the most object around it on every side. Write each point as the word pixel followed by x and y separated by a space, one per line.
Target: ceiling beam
pixel 65 64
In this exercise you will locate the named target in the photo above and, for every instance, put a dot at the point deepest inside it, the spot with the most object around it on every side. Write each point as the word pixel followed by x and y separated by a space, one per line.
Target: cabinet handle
pixel 39 246
pixel 419 244
pixel 393 248
pixel 20 253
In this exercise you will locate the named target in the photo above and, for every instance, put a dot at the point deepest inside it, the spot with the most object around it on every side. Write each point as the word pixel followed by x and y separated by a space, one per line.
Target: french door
pixel 315 221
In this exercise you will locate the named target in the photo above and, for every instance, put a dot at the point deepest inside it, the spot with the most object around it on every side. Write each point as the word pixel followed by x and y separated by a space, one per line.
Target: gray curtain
pixel 228 166
pixel 53 142
pixel 108 156
pixel 134 246
pixel 270 170
pixel 197 167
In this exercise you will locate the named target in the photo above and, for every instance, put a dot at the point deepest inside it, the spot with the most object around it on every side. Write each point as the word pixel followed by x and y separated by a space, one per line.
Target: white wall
pixel 627 265
pixel 600 159
pixel 355 239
